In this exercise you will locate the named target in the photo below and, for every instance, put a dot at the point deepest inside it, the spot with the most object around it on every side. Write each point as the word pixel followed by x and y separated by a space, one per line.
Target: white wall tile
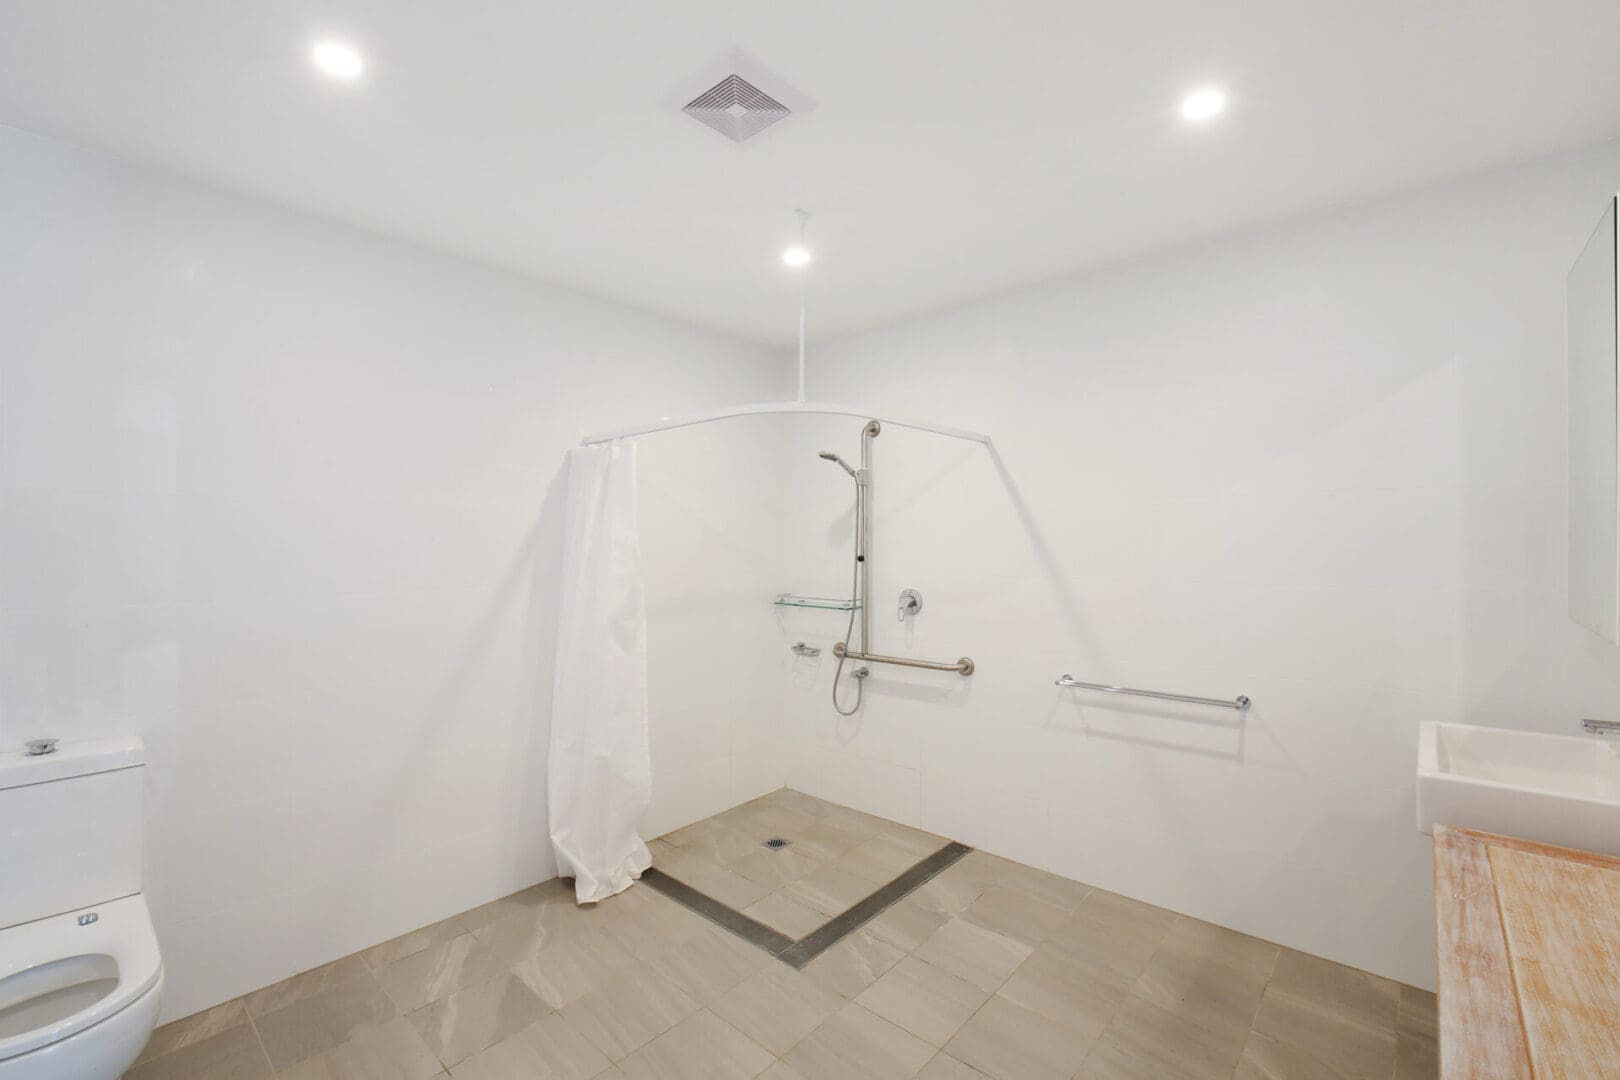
pixel 283 497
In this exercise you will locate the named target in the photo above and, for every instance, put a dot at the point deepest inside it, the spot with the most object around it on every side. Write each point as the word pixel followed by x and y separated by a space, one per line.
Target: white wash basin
pixel 1558 789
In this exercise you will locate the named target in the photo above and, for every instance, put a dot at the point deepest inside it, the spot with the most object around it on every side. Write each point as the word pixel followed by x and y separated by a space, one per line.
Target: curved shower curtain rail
pixel 767 407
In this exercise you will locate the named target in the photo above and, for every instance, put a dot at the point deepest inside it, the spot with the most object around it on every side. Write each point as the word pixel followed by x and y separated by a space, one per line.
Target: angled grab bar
pixel 1239 703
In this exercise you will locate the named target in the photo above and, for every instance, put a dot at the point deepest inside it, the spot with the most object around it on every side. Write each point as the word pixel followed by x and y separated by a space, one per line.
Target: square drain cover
pixel 776 843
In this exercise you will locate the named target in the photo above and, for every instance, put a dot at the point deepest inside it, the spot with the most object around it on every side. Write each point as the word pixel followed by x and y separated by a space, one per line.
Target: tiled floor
pixel 991 969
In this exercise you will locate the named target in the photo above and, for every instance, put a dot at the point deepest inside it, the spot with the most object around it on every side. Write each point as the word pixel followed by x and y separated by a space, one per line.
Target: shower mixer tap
pixel 910 604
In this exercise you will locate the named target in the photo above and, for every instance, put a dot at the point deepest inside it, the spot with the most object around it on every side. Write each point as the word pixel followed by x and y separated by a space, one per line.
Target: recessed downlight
pixel 1203 104
pixel 796 256
pixel 338 60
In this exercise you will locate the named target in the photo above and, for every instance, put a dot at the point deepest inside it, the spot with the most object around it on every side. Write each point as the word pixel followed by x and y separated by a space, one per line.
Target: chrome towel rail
pixel 1239 703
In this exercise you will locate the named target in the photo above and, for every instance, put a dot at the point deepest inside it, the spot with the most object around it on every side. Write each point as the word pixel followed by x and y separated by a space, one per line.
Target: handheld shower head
pixel 828 455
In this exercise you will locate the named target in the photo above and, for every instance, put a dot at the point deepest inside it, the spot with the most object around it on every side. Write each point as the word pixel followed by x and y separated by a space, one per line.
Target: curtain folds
pixel 600 769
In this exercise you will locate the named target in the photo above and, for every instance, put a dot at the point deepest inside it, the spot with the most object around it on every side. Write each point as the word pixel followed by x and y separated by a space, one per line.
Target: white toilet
pixel 80 974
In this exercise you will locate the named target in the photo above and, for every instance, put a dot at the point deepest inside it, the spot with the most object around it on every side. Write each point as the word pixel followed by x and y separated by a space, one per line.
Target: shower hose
pixel 855 600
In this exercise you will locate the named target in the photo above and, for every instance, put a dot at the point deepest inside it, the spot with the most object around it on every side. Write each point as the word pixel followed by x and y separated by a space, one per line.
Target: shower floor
pixel 974 967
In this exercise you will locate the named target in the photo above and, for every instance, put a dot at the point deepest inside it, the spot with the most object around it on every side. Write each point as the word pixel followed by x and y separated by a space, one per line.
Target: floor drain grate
pixel 776 843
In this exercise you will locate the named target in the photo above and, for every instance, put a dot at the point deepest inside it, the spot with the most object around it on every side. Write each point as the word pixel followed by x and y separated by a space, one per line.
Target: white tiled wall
pixel 285 499
pixel 1321 465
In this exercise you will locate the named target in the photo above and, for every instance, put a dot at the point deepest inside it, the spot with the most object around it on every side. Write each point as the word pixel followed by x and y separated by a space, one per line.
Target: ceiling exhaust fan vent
pixel 739 99
pixel 736 108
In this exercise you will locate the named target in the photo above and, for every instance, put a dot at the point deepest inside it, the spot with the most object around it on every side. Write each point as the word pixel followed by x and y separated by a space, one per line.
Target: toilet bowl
pixel 81 977
pixel 77 1002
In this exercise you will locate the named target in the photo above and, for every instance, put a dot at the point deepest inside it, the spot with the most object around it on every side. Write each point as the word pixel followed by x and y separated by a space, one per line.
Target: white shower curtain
pixel 600 769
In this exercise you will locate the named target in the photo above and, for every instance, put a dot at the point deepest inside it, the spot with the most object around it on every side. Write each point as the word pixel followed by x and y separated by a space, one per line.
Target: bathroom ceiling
pixel 956 148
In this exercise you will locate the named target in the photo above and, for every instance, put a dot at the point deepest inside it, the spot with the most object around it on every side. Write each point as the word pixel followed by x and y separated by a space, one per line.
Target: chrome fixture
pixel 801 649
pixel 828 455
pixel 1239 703
pixel 862 585
pixel 41 747
pixel 862 672
pixel 1601 727
pixel 910 603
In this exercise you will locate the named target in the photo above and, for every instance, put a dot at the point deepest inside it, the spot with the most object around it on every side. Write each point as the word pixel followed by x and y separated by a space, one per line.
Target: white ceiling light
pixel 796 256
pixel 338 60
pixel 1203 104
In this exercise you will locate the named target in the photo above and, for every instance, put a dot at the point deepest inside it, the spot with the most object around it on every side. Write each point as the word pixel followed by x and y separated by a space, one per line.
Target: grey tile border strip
pixel 801 952
pixel 831 933
pixel 750 930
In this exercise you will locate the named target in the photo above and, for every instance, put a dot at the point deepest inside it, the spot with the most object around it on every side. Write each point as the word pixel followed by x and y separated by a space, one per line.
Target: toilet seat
pixel 61 968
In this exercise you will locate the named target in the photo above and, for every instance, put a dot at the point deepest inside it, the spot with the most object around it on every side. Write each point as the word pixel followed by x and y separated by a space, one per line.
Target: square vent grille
pixel 736 108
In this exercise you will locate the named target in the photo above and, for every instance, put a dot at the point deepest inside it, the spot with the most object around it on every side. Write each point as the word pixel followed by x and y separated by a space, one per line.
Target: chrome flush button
pixel 86 920
pixel 41 747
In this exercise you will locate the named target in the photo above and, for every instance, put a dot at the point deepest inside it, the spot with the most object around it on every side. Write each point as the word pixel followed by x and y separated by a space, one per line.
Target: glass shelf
pixel 822 602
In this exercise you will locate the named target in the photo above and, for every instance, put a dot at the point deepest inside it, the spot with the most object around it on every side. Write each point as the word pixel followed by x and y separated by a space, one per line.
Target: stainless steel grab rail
pixel 1239 703
pixel 963 666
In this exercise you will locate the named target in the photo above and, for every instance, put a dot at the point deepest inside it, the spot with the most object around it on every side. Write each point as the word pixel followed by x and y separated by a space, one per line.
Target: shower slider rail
pixel 962 667
pixel 1240 703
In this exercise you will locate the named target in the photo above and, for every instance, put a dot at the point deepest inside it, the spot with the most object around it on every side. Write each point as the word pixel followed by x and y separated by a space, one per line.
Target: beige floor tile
pixel 949 892
pixel 571 969
pixel 944 1067
pixel 787 915
pixel 320 1022
pixel 724 845
pixel 776 820
pixel 1049 982
pixel 1332 1012
pixel 1265 1058
pixel 777 1007
pixel 625 1014
pixel 906 924
pixel 973 952
pixel 1144 1040
pixel 686 834
pixel 194 1028
pixel 832 889
pixel 1196 938
pixel 708 964
pixel 552 1049
pixel 1203 991
pixel 1047 887
pixel 413 942
pixel 530 899
pixel 1016 914
pixel 920 843
pixel 701 1047
pixel 232 1054
pixel 1112 933
pixel 391 1051
pixel 1009 1042
pixel 855 1044
pixel 347 972
pixel 523 931
pixel 927 1001
pixel 879 860
pixel 1417 1046
pixel 828 839
pixel 714 880
pixel 651 927
pixel 424 977
pixel 853 964
pixel 781 1071
pixel 774 869
pixel 464 1022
